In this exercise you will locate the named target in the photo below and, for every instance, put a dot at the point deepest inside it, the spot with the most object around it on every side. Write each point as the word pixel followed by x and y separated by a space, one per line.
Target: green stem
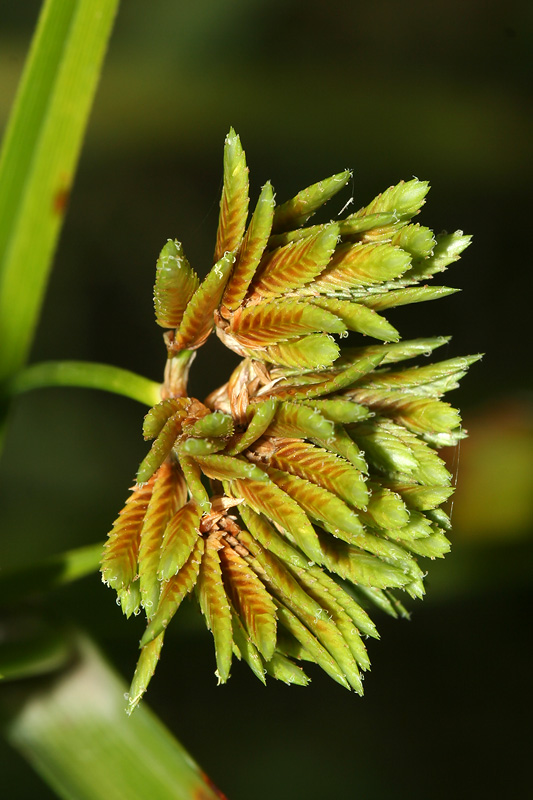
pixel 73 728
pixel 39 156
pixel 86 375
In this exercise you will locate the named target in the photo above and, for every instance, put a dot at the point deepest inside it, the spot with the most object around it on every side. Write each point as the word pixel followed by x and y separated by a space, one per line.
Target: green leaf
pixel 267 536
pixel 175 284
pixel 383 448
pixel 179 539
pixel 359 318
pixel 440 517
pixel 252 249
pixel 294 265
pixel 434 546
pixel 309 386
pixel 215 607
pixel 198 321
pixel 234 200
pixel 296 212
pixel 382 223
pixel 39 157
pixel 268 323
pixel 356 613
pixel 430 468
pixel 272 541
pixel 316 351
pixel 418 414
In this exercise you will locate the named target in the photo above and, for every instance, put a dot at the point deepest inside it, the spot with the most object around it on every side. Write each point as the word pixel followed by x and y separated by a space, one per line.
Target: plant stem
pixel 73 728
pixel 87 375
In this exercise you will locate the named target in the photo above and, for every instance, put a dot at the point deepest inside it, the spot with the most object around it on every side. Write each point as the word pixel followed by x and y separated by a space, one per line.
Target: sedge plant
pixel 294 502
pixel 302 495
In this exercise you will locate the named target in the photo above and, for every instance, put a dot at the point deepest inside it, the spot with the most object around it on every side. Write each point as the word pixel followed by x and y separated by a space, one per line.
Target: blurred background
pixel 440 91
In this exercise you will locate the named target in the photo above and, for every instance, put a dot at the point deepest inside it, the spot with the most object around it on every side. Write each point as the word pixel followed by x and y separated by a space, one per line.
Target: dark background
pixel 392 90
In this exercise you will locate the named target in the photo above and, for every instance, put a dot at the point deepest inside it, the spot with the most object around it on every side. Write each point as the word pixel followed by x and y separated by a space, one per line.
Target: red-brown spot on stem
pixel 60 201
pixel 207 794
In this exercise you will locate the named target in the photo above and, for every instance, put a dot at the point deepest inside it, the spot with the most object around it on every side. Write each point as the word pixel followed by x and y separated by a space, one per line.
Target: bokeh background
pixel 436 90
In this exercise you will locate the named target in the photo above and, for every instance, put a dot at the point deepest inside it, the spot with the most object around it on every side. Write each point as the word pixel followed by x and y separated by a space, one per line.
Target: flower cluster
pixel 298 496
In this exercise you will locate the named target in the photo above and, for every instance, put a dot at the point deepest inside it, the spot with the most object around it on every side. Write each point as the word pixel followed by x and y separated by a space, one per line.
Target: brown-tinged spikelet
pixel 298 497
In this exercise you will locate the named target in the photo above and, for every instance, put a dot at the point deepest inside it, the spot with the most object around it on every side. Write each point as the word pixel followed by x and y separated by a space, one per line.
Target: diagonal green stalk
pixel 85 375
pixel 39 157
pixel 72 727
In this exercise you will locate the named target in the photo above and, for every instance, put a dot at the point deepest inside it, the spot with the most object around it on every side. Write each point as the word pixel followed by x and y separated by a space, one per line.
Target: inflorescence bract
pixel 298 496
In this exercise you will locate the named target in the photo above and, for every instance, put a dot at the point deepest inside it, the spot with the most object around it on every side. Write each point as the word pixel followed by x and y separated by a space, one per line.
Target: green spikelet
pixel 234 201
pixel 175 284
pixel 215 607
pixel 299 209
pixel 300 498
